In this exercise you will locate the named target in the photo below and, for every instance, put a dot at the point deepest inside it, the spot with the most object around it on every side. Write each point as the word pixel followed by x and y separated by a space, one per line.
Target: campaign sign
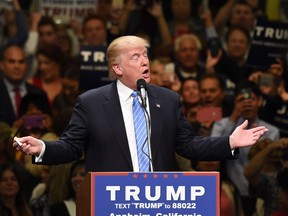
pixel 269 42
pixel 93 67
pixel 64 10
pixel 155 194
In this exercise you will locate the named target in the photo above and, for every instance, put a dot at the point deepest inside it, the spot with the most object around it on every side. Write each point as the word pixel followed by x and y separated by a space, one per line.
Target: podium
pixel 143 194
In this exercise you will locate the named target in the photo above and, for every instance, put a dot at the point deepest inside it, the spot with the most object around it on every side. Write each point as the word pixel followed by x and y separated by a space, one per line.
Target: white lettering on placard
pixel 96 56
pixel 113 190
pixel 269 32
pixel 175 194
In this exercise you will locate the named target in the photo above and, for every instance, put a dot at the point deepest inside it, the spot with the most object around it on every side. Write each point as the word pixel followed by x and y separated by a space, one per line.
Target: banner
pixel 64 10
pixel 268 43
pixel 155 194
pixel 93 67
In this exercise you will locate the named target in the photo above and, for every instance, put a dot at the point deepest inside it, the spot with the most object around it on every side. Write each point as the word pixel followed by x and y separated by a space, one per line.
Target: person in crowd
pixel 282 177
pixel 16 29
pixel 43 31
pixel 70 90
pixel 186 19
pixel 94 30
pixel 51 67
pixel 146 19
pixel 265 160
pixel 13 85
pixel 190 98
pixel 12 196
pixel 7 155
pixel 230 200
pixel 187 49
pixel 248 100
pixel 163 74
pixel 35 118
pixel 102 123
pixel 273 86
pixel 51 190
pixel 68 206
pixel 232 14
pixel 212 95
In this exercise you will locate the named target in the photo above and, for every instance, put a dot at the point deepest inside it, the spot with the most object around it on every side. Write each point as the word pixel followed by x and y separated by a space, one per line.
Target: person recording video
pixel 102 123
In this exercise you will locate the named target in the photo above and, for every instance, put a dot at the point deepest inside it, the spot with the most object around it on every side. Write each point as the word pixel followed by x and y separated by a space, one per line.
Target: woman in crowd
pixel 12 199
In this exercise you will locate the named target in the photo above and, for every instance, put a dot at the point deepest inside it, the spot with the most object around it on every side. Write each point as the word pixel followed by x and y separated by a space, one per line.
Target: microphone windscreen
pixel 141 83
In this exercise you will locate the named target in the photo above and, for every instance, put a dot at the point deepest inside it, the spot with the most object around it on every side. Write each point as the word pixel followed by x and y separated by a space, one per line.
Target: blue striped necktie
pixel 140 134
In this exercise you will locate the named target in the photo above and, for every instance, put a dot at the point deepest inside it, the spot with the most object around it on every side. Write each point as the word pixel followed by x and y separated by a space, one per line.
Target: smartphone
pixel 208 114
pixel 266 80
pixel 33 121
pixel 247 94
pixel 214 46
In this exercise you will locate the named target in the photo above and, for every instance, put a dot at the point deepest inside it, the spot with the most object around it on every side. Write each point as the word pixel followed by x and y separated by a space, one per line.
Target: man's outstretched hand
pixel 29 145
pixel 242 137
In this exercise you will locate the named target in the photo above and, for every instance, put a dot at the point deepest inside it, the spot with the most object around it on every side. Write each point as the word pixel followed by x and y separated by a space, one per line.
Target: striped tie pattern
pixel 140 134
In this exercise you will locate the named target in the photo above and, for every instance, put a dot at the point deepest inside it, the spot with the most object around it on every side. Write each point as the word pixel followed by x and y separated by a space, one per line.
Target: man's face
pixel 242 15
pixel 47 34
pixel 211 92
pixel 134 65
pixel 13 65
pixel 237 44
pixel 249 106
pixel 188 54
pixel 94 32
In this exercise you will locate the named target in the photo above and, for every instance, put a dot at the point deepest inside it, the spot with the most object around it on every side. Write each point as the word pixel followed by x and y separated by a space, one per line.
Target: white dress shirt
pixel 126 101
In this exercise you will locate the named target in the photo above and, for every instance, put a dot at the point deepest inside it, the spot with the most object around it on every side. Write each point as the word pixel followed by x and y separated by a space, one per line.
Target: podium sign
pixel 154 194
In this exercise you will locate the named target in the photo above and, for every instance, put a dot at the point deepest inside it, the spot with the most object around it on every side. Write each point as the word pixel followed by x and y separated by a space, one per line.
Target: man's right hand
pixel 30 145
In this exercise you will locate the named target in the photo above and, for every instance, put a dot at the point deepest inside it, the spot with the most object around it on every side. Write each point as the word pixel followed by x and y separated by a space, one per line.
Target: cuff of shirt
pixel 40 157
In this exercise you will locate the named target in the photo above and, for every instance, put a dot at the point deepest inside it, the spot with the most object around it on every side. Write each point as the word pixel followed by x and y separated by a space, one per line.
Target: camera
pixel 247 94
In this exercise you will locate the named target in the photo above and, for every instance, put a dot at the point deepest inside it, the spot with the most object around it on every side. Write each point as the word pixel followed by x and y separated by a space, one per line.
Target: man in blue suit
pixel 102 123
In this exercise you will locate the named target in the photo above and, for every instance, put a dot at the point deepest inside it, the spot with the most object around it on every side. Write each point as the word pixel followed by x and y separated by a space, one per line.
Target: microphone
pixel 141 87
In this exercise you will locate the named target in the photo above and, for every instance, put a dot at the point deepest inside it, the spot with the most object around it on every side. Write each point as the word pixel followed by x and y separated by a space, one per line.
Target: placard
pixel 268 43
pixel 155 194
pixel 93 67
pixel 65 10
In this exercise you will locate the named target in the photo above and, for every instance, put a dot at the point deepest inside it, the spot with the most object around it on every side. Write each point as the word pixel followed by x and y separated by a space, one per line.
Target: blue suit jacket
pixel 97 127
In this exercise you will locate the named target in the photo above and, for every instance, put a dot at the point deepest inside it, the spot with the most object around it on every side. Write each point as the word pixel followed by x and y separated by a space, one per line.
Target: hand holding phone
pixel 208 114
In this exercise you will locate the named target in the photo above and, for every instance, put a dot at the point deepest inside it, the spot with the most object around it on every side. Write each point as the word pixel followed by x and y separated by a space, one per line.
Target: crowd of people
pixel 200 53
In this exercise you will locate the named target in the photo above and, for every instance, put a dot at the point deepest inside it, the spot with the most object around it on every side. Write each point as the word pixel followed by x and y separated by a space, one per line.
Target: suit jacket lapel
pixel 115 117
pixel 155 115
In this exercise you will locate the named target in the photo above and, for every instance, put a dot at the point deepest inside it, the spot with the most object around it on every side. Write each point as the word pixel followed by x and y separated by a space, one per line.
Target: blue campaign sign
pixel 93 67
pixel 155 194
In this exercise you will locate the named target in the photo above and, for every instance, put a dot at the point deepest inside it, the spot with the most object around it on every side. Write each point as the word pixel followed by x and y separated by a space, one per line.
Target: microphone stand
pixel 148 129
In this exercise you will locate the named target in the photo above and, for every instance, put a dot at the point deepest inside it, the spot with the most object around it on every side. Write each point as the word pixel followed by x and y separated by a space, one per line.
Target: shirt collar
pixel 123 91
pixel 11 87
